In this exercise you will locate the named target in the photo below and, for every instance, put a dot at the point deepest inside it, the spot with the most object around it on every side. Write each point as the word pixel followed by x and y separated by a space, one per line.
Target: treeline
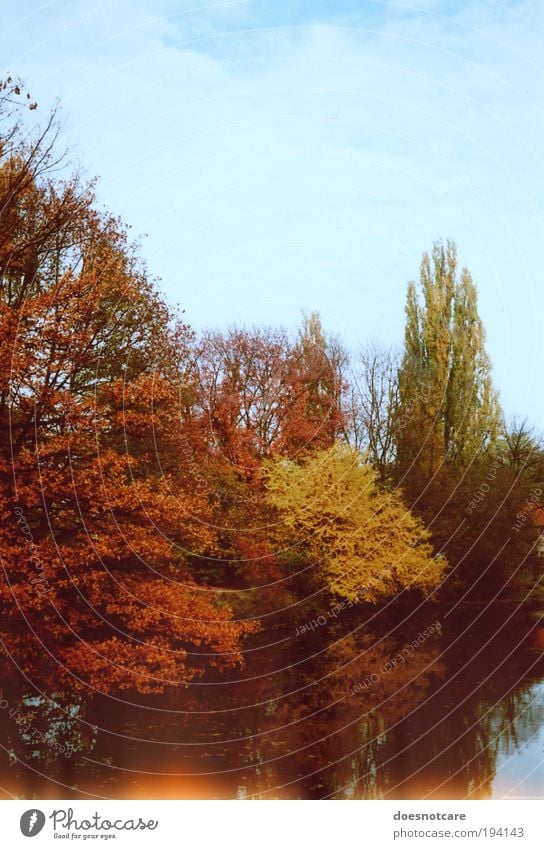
pixel 148 472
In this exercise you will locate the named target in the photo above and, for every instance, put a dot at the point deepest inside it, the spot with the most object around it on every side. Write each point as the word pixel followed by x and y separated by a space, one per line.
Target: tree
pixel 244 389
pixel 445 381
pixel 371 407
pixel 264 393
pixel 365 542
pixel 261 393
pixel 102 517
pixel 522 449
pixel 314 418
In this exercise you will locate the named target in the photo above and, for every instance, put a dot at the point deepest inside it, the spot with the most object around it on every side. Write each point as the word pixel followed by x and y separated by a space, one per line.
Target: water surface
pixel 426 704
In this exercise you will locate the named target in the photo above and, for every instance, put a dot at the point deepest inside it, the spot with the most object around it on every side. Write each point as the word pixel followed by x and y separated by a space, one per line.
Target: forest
pixel 173 498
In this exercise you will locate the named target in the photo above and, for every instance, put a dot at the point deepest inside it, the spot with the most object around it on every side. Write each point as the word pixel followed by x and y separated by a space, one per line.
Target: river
pixel 421 704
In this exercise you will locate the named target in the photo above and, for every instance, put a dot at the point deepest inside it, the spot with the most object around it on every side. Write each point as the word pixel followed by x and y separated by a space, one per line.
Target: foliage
pixel 364 542
pixel 263 392
pixel 102 518
pixel 445 377
pixel 144 468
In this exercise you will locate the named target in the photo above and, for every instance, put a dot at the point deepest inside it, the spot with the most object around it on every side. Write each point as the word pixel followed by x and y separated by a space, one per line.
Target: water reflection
pixel 388 710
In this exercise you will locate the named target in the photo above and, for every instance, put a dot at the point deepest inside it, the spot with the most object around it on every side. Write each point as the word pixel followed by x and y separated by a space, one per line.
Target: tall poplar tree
pixel 445 386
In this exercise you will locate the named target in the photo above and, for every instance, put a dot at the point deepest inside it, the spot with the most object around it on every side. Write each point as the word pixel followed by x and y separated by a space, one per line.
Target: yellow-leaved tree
pixel 364 541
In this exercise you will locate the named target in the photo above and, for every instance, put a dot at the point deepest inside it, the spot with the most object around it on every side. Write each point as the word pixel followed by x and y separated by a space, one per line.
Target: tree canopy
pixel 163 490
pixel 364 542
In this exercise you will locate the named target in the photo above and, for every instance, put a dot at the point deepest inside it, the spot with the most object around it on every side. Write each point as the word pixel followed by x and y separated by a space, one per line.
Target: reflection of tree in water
pixel 336 729
pixel 502 730
pixel 420 730
pixel 342 721
pixel 41 739
pixel 448 746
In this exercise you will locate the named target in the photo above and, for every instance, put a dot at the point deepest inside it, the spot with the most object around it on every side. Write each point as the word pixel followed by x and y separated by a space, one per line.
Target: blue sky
pixel 293 156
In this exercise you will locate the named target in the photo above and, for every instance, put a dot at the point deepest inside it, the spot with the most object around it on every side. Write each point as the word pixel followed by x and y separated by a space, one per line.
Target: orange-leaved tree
pixel 104 513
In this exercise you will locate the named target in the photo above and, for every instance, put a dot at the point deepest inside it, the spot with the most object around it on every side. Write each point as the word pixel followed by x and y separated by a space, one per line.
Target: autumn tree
pixel 364 542
pixel 314 418
pixel 103 518
pixel 244 389
pixel 264 392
